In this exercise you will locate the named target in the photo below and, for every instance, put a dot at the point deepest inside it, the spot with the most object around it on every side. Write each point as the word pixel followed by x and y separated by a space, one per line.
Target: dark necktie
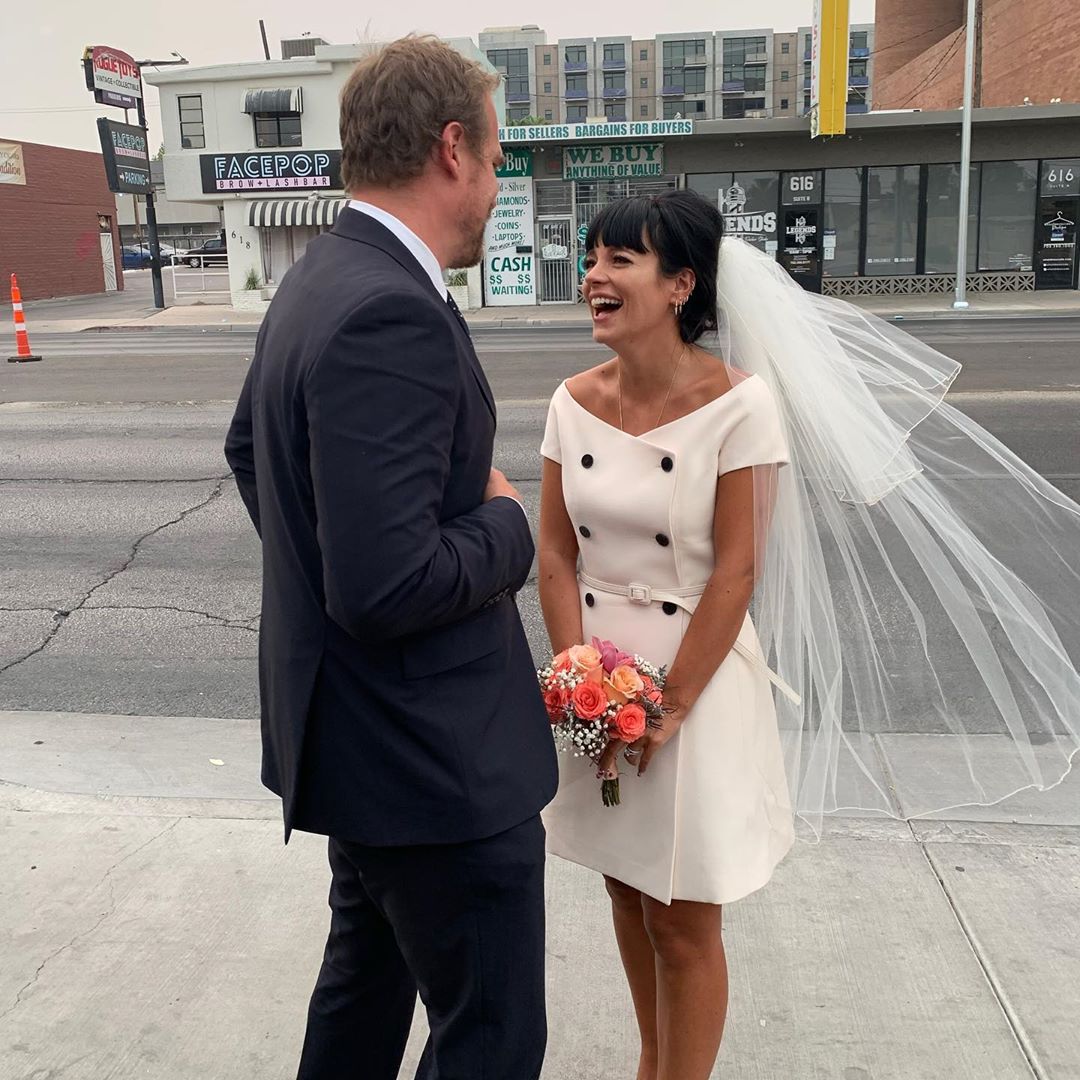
pixel 457 311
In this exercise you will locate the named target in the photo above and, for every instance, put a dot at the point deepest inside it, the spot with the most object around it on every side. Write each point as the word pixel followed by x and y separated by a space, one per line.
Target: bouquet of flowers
pixel 596 693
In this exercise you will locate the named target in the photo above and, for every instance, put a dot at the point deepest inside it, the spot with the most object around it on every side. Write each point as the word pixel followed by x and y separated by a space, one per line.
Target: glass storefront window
pixel 892 220
pixel 749 208
pixel 1007 215
pixel 843 222
pixel 709 184
pixel 942 207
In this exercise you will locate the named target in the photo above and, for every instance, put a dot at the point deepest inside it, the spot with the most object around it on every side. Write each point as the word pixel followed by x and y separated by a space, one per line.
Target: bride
pixel 820 550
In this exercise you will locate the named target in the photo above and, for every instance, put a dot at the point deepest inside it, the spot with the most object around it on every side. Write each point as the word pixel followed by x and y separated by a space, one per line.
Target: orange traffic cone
pixel 22 339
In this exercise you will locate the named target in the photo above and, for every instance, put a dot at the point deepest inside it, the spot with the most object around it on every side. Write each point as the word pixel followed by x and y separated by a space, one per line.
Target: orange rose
pixel 627 681
pixel 589 700
pixel 562 661
pixel 651 692
pixel 588 661
pixel 555 701
pixel 629 724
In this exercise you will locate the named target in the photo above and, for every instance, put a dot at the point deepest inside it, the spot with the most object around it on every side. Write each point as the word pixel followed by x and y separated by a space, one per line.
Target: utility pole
pixel 965 159
pixel 151 213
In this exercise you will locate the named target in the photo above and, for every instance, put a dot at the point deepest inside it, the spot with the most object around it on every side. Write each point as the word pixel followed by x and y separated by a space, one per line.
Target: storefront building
pixel 873 211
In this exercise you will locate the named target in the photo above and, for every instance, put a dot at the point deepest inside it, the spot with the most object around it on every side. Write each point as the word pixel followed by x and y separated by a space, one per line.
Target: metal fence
pixel 209 279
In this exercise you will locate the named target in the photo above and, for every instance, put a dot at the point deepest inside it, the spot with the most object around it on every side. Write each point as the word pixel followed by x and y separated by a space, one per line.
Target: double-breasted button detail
pixel 667 464
pixel 662 540
pixel 585 531
pixel 587 461
pixel 589 599
pixel 669 608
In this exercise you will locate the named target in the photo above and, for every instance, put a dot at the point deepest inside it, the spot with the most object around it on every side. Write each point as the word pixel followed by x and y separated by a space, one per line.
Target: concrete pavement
pixel 156 927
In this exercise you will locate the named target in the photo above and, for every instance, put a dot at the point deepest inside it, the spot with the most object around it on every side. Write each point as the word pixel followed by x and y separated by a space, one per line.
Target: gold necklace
pixel 667 396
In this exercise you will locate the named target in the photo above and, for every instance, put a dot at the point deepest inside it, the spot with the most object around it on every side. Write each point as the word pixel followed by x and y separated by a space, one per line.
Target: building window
pixel 547 88
pixel 577 82
pixel 547 115
pixel 785 103
pixel 843 222
pixel 516 113
pixel 736 70
pixel 687 110
pixel 644 110
pixel 785 47
pixel 547 59
pixel 614 80
pixel 615 52
pixel 737 108
pixel 192 132
pixel 643 54
pixel 277 129
pixel 785 76
pixel 860 39
pixel 513 66
pixel 892 220
pixel 1007 215
pixel 942 208
pixel 615 110
pixel 575 54
pixel 644 83
pixel 576 112
pixel 676 56
pixel 857 69
pixel 694 81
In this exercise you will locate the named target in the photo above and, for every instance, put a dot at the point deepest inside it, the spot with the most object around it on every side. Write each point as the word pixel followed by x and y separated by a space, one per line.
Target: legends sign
pixel 275 170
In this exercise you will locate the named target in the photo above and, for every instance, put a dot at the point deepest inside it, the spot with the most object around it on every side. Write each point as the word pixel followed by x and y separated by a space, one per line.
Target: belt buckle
pixel 640 594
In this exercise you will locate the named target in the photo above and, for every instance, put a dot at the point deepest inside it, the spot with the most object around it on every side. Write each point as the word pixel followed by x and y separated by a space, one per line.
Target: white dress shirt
pixel 423 255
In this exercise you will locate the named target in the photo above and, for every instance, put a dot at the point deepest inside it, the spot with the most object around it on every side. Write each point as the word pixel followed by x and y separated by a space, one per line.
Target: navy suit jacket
pixel 398 696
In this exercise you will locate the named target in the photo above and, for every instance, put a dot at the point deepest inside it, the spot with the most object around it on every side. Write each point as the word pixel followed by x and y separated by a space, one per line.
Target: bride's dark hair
pixel 684 230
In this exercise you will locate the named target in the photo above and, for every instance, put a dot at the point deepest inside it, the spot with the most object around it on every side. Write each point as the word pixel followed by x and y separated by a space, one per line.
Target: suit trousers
pixel 463 925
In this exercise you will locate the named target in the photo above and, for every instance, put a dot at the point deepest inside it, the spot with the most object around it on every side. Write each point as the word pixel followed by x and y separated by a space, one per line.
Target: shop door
pixel 801 227
pixel 108 261
pixel 556 260
pixel 1055 244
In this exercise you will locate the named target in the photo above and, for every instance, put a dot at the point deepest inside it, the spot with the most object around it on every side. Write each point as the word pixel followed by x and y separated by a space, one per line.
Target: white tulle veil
pixel 919 585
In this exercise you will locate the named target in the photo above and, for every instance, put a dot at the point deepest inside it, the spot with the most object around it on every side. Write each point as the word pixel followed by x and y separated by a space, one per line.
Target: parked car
pixel 212 253
pixel 169 254
pixel 134 258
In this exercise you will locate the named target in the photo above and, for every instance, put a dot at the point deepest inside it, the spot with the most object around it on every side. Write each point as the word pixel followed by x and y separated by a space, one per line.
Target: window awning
pixel 280 213
pixel 283 100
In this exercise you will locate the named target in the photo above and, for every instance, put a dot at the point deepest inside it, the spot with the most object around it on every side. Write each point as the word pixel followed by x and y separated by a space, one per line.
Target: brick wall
pixel 904 29
pixel 1029 49
pixel 49 232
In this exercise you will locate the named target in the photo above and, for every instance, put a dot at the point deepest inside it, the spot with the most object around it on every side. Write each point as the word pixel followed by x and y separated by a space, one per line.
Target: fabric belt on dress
pixel 645 595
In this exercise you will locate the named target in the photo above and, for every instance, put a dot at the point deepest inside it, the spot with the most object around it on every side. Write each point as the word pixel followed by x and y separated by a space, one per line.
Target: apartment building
pixel 701 75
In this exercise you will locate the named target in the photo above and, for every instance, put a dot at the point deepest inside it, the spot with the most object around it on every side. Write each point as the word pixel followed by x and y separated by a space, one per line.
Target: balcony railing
pixel 672 91
pixel 576 95
pixel 618 116
pixel 614 92
pixel 860 53
pixel 858 107
pixel 517 97
pixel 615 65
pixel 575 65
pixel 733 86
pixel 694 62
pixel 757 58
pixel 859 80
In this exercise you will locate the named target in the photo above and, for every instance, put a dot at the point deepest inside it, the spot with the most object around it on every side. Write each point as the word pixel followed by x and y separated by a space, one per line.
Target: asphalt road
pixel 128 570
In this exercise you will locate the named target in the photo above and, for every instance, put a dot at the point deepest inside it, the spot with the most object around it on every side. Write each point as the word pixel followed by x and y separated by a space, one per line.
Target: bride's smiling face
pixel 627 293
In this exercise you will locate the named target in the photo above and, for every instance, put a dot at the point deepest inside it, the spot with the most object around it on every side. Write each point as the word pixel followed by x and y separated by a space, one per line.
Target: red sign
pixel 112 75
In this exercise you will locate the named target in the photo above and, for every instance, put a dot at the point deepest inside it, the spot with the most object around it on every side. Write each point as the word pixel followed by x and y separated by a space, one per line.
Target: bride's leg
pixel 639 963
pixel 691 986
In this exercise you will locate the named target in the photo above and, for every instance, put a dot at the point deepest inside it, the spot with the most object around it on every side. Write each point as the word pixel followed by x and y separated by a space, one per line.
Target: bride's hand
pixel 640 753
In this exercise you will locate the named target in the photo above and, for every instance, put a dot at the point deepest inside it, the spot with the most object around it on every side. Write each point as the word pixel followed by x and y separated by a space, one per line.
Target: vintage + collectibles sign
pixel 113 76
pixel 613 129
pixel 271 170
pixel 615 162
pixel 127 163
pixel 12 169
pixel 509 260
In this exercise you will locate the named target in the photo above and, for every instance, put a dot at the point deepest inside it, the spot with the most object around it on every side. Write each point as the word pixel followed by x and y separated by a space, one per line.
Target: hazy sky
pixel 44 98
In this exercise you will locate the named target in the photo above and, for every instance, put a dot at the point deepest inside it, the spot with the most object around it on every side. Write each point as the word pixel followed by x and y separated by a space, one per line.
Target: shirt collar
pixel 417 248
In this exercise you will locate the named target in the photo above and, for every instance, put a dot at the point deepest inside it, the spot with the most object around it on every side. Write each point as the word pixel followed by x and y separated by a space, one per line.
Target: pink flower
pixel 629 723
pixel 611 656
pixel 589 700
pixel 555 701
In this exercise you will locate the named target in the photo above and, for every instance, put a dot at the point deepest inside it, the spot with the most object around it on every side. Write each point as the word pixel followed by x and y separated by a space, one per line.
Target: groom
pixel 400 711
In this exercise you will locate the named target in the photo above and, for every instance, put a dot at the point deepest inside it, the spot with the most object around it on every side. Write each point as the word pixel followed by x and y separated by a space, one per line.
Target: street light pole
pixel 965 160
pixel 151 213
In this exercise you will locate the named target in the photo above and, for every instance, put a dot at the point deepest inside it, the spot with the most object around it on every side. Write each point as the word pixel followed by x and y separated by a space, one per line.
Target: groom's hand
pixel 498 485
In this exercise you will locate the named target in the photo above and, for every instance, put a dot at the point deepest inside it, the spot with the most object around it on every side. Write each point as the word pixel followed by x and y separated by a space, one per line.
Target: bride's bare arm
pixel 559 596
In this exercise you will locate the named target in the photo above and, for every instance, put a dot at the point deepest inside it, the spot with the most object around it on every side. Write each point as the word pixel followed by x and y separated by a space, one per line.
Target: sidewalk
pixel 156 927
pixel 83 314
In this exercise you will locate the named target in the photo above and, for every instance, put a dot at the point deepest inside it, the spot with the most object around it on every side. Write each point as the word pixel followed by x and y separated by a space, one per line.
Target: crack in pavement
pixel 234 624
pixel 105 879
pixel 60 617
